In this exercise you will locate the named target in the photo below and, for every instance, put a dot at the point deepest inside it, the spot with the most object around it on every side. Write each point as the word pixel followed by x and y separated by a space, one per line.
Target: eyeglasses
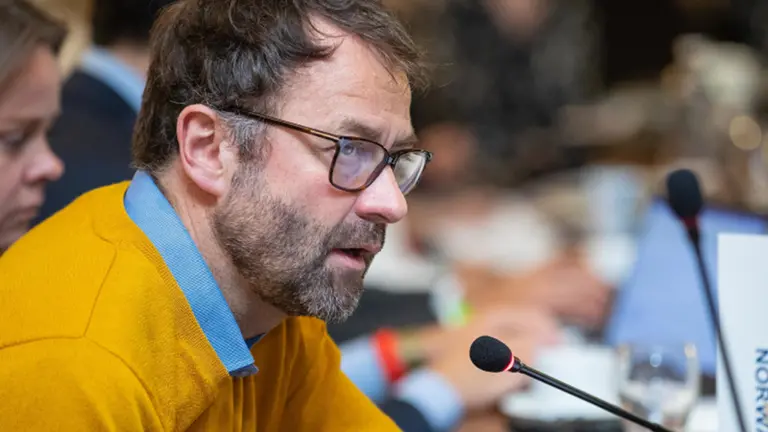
pixel 357 162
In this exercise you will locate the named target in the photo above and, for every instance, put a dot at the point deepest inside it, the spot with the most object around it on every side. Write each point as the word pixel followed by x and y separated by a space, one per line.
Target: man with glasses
pixel 273 148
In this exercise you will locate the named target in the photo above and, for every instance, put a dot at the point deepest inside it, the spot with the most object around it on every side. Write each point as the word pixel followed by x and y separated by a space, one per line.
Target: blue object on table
pixel 662 300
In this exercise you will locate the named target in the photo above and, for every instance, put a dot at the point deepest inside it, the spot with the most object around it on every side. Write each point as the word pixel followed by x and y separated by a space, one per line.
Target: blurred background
pixel 553 124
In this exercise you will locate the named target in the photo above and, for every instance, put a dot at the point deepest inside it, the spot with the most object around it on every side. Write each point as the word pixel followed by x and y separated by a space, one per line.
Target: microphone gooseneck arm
pixel 685 198
pixel 701 265
pixel 586 397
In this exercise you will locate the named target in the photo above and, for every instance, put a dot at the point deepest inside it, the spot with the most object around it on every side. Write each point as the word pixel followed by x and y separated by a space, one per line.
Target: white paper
pixel 743 309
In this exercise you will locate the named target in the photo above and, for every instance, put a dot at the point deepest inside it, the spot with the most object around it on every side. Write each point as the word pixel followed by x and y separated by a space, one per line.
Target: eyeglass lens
pixel 357 161
pixel 408 170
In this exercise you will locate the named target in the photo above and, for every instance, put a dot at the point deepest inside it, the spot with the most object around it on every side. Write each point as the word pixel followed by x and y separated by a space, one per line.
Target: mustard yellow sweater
pixel 96 335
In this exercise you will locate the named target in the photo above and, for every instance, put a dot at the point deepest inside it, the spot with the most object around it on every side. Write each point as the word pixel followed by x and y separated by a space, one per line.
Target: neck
pixel 194 207
pixel 134 56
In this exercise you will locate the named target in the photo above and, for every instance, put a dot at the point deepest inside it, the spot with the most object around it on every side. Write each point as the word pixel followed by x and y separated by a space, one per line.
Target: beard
pixel 282 252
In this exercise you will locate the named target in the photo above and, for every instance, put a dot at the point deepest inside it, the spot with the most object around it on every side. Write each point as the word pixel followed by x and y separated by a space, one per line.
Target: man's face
pixel 303 245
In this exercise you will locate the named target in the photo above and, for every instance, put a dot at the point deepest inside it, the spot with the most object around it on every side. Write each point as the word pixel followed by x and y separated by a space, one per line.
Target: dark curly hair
pixel 232 52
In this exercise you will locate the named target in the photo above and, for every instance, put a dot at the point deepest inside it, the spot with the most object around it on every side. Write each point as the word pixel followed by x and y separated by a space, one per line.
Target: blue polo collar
pixel 150 210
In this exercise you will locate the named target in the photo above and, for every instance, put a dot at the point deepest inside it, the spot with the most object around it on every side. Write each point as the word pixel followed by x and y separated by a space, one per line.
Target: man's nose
pixel 382 201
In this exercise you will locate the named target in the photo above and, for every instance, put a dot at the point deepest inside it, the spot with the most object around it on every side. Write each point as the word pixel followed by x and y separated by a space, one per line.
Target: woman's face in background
pixel 29 103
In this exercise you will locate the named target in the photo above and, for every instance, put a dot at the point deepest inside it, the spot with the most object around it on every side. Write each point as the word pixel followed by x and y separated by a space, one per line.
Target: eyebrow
pixel 355 128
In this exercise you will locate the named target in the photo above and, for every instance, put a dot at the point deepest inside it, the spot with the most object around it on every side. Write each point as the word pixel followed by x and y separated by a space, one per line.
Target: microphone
pixel 492 355
pixel 685 198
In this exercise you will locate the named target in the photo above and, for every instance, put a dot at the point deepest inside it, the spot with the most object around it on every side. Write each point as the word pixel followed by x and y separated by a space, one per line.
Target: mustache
pixel 357 234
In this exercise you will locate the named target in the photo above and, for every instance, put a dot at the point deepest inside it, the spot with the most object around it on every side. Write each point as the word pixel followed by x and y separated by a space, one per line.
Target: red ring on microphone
pixel 511 363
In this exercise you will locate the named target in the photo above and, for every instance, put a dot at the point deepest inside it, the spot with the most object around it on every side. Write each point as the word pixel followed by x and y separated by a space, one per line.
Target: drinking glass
pixel 659 383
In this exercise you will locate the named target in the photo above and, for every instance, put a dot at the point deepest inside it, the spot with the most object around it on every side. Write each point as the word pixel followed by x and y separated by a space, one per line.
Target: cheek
pixel 10 182
pixel 302 181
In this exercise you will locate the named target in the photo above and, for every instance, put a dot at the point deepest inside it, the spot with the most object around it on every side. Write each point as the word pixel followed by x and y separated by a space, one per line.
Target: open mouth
pixel 350 257
pixel 357 256
pixel 356 253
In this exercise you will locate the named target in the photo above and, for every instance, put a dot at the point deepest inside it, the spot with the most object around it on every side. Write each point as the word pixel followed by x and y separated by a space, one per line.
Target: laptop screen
pixel 662 300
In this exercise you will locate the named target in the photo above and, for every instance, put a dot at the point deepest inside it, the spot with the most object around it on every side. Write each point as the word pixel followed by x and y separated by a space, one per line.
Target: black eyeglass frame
pixel 390 159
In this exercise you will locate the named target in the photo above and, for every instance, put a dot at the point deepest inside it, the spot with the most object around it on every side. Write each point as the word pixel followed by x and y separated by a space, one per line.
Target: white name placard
pixel 742 287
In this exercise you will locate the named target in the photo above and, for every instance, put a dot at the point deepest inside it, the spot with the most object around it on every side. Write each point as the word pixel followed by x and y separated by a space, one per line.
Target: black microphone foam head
pixel 490 354
pixel 684 194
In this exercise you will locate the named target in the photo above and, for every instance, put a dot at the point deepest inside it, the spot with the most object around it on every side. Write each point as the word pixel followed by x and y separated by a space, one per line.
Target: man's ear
pixel 203 149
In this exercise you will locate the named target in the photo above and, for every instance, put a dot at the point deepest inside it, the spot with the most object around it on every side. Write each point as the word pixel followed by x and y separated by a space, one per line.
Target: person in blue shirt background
pixel 438 378
pixel 100 101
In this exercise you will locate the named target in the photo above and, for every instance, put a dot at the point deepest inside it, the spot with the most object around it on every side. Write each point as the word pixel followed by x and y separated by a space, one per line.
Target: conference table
pixel 703 418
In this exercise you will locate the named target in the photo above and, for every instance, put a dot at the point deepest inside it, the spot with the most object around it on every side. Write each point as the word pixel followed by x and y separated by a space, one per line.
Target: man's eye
pixel 349 150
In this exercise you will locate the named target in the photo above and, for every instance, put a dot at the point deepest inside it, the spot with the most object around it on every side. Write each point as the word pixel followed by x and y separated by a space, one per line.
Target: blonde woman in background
pixel 76 15
pixel 30 82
